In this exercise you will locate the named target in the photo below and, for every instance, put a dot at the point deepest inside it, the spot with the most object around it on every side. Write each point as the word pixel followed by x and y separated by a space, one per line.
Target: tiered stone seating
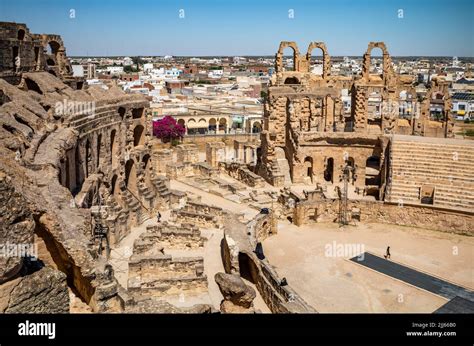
pixel 446 164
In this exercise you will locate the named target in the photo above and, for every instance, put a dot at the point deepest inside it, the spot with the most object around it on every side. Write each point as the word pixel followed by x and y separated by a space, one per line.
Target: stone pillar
pixel 359 115
pixel 238 147
pixel 187 153
pixel 329 113
pixel 161 158
pixel 215 152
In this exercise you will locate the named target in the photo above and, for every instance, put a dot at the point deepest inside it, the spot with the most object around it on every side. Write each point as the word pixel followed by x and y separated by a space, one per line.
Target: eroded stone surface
pixel 234 289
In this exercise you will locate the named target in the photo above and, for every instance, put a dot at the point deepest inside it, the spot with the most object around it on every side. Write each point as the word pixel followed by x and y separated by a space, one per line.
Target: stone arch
pixel 79 169
pixel 37 57
pixel 256 127
pixel 146 159
pixel 212 124
pixel 99 143
pixel 32 85
pixel 138 135
pixel 351 161
pixel 223 124
pixel 88 158
pixel 68 172
pixel 329 170
pixel 247 268
pixel 368 55
pixel 131 175
pixel 279 56
pixel 137 113
pixel 114 185
pixel 291 80
pixel 53 48
pixel 325 57
pixel 121 111
pixel 181 122
pixel 146 166
pixel 308 164
pixel 21 35
pixel 113 147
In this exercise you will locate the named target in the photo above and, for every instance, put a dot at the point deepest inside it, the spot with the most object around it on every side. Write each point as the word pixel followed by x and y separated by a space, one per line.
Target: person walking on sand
pixel 158 217
pixel 387 254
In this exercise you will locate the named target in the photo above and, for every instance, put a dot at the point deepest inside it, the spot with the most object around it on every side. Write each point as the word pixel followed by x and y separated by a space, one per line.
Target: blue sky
pixel 244 27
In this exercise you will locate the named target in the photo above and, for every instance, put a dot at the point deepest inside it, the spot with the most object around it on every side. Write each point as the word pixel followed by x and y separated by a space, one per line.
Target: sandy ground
pixel 332 283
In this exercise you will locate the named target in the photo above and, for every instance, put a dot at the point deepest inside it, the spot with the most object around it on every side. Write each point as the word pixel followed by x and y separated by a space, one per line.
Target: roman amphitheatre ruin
pixel 245 226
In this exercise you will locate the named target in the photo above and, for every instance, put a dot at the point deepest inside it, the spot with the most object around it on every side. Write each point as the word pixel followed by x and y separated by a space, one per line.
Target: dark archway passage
pixel 247 267
pixel 113 146
pixel 329 171
pixel 131 176
pixel 138 138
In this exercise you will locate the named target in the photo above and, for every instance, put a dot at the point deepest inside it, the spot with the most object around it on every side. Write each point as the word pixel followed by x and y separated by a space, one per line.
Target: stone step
pixel 408 145
pixel 453 204
pixel 426 159
pixel 442 167
pixel 467 152
pixel 420 176
pixel 453 196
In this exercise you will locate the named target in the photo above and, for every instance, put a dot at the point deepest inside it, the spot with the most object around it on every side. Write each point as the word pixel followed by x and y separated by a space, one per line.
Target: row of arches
pixel 88 155
pixel 329 172
pixel 131 173
pixel 288 58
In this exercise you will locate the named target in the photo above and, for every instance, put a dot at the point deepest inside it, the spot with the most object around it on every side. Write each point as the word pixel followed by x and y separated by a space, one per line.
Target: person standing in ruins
pixel 158 217
pixel 387 253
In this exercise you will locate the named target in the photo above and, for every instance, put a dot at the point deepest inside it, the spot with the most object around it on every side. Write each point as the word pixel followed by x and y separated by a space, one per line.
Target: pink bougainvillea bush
pixel 168 129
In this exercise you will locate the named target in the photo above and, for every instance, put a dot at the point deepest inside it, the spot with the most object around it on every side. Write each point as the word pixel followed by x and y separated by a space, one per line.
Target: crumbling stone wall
pixel 439 219
pixel 23 51
pixel 241 172
pixel 69 150
pixel 302 105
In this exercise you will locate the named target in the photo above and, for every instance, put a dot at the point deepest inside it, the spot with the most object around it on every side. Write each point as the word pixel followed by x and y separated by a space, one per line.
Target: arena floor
pixel 327 279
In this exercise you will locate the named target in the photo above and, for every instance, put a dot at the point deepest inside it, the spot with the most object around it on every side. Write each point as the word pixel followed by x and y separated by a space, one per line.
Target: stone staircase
pixel 160 184
pixel 446 164
pixel 116 208
pixel 130 201
pixel 133 204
